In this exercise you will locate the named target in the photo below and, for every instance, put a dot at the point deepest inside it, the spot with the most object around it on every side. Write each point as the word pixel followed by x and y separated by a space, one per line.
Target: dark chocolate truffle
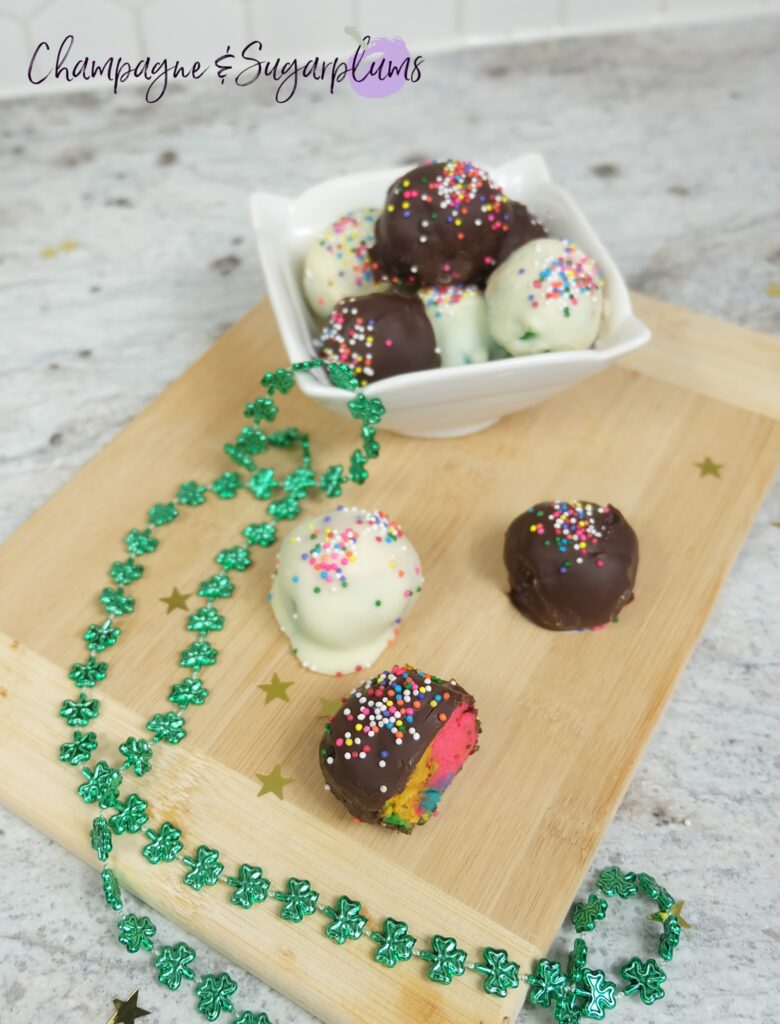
pixel 441 224
pixel 571 565
pixel 523 227
pixel 380 336
pixel 396 744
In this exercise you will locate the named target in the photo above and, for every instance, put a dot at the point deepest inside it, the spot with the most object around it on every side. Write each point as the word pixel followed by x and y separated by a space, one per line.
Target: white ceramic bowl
pixel 450 401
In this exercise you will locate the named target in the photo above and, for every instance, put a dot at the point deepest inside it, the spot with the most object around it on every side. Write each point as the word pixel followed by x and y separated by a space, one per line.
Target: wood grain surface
pixel 565 716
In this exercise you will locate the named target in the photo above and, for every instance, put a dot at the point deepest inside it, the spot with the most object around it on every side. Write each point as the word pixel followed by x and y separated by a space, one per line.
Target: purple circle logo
pixel 380 67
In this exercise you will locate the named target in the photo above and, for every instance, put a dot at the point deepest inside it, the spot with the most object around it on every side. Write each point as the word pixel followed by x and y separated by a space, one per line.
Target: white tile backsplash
pixel 197 29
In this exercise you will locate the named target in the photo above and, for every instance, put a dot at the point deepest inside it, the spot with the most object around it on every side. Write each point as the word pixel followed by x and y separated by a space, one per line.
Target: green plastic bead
pixel 205 868
pixel 124 573
pixel 500 973
pixel 370 444
pixel 80 749
pixel 585 916
pixel 368 410
pixel 645 979
pixel 140 542
pixel 261 409
pixel 298 901
pixel 284 508
pixel 111 891
pixel 250 886
pixel 262 534
pixel 346 920
pixel 116 602
pixel 247 1017
pixel 278 380
pixel 162 513
pixel 191 494
pixel 613 882
pixel 167 727
pixel 262 484
pixel 446 960
pixel 602 995
pixel 164 844
pixel 332 480
pixel 98 638
pixel 358 473
pixel 219 586
pixel 227 486
pixel 670 939
pixel 341 376
pixel 137 755
pixel 136 933
pixel 81 711
pixel 89 674
pixel 547 984
pixel 234 559
pixel 172 965
pixel 298 483
pixel 130 815
pixel 199 654
pixel 100 838
pixel 205 620
pixel 102 785
pixel 395 942
pixel 214 992
pixel 189 691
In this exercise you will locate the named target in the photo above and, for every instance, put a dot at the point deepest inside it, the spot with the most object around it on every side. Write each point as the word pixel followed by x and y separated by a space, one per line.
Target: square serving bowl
pixel 448 401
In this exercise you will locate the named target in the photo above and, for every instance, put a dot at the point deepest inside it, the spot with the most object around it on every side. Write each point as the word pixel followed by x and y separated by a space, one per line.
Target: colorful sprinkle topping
pixel 335 550
pixel 349 240
pixel 573 527
pixel 445 296
pixel 565 279
pixel 351 346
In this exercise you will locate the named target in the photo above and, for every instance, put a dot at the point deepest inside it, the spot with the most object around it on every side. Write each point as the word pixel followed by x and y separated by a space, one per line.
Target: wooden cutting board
pixel 565 717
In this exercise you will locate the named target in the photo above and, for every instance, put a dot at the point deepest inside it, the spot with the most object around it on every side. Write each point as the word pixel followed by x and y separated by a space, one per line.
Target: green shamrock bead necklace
pixel 578 992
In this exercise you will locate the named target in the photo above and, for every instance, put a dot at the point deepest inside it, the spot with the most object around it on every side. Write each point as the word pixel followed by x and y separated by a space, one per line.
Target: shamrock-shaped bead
pixel 250 886
pixel 81 711
pixel 262 534
pixel 670 939
pixel 199 654
pixel 602 995
pixel 100 838
pixel 137 754
pixel 130 815
pixel 136 933
pixel 331 481
pixel 262 484
pixel 205 620
pixel 205 868
pixel 98 638
pixel 125 573
pixel 346 920
pixel 116 602
pixel 163 844
pixel 278 380
pixel 214 992
pixel 172 964
pixel 237 559
pixel 285 438
pixel 111 891
pixel 247 1017
pixel 79 749
pixel 227 486
pixel 395 942
pixel 500 973
pixel 189 691
pixel 613 882
pixel 261 409
pixel 284 508
pixel 341 376
pixel 547 984
pixel 298 483
pixel 368 410
pixel 162 513
pixel 191 494
pixel 446 960
pixel 88 674
pixel 140 542
pixel 216 586
pixel 167 727
pixel 298 901
pixel 370 444
pixel 358 473
pixel 102 785
pixel 645 979
pixel 584 916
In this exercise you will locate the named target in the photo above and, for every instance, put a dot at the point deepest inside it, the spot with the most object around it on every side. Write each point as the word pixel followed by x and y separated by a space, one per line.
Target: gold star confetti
pixel 176 600
pixel 274 782
pixel 675 911
pixel 54 250
pixel 777 523
pixel 127 1011
pixel 49 253
pixel 275 690
pixel 328 708
pixel 709 468
pixel 773 290
pixel 68 246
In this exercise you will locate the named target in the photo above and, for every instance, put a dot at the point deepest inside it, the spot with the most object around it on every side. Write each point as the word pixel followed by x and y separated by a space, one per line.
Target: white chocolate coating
pixel 458 315
pixel 343 583
pixel 547 296
pixel 337 264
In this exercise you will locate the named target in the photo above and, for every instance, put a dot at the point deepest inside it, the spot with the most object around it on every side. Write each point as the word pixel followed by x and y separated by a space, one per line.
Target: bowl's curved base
pixel 462 430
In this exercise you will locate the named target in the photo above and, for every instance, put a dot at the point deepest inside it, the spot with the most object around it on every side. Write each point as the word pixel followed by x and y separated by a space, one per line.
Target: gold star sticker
pixel 709 468
pixel 328 708
pixel 275 690
pixel 48 253
pixel 176 600
pixel 274 782
pixel 68 246
pixel 675 911
pixel 127 1011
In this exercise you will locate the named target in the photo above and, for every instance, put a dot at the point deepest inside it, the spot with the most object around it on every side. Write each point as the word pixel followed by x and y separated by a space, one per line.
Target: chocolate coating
pixel 380 336
pixel 523 227
pixel 356 781
pixel 571 565
pixel 441 224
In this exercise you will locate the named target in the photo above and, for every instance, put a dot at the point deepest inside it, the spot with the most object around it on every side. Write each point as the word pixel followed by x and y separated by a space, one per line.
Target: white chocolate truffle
pixel 337 265
pixel 343 583
pixel 458 316
pixel 547 296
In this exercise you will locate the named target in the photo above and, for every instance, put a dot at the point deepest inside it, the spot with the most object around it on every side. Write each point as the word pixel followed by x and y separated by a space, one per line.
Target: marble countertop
pixel 125 250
